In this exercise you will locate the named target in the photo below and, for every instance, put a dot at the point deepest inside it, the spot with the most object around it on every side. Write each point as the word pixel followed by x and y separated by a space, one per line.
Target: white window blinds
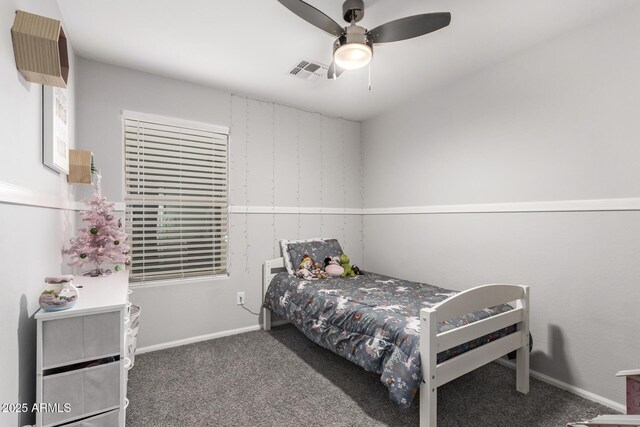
pixel 176 178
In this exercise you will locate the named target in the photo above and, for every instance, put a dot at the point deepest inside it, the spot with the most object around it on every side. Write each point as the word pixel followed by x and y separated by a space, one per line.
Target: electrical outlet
pixel 240 298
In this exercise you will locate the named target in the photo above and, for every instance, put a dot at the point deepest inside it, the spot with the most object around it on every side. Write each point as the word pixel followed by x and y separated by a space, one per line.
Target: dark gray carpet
pixel 280 378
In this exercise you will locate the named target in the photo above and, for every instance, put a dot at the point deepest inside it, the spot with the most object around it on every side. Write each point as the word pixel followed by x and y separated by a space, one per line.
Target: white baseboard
pixel 206 337
pixel 198 338
pixel 570 388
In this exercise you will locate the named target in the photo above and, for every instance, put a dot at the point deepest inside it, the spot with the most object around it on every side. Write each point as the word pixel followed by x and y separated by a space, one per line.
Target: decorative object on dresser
pixel 59 293
pixel 80 167
pixel 82 361
pixel 40 49
pixel 632 418
pixel 103 240
pixel 55 117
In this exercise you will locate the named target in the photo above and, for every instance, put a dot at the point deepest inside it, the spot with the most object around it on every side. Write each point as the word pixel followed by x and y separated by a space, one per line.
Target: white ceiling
pixel 249 46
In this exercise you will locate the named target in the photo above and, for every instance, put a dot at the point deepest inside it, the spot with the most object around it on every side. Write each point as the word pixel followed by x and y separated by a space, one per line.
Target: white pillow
pixel 285 253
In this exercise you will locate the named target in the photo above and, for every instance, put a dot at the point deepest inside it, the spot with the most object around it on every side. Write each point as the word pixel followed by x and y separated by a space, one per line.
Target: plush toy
pixel 308 270
pixel 344 262
pixel 319 274
pixel 332 267
pixel 318 271
pixel 305 267
pixel 357 270
pixel 307 263
pixel 304 274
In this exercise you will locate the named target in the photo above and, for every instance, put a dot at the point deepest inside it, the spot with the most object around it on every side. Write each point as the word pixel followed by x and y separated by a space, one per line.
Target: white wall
pixel 279 156
pixel 32 237
pixel 557 122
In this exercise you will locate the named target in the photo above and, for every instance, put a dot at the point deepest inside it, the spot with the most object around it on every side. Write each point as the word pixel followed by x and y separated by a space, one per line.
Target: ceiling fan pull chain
pixel 369 76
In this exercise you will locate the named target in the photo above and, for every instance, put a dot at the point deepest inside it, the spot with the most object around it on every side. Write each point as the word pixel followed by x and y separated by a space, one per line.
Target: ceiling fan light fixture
pixel 352 56
pixel 353 47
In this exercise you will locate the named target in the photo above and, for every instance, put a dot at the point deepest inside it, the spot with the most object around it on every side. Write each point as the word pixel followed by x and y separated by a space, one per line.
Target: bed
pixel 417 336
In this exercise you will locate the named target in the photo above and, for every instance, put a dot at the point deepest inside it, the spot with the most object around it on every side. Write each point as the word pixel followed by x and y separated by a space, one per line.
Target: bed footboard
pixel 269 269
pixel 432 342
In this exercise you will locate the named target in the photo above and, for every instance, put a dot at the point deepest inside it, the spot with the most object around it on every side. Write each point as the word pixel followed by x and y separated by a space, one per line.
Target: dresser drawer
pixel 79 338
pixel 87 391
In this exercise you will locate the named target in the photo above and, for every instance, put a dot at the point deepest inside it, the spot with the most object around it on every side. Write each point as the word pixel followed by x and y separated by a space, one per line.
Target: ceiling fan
pixel 353 47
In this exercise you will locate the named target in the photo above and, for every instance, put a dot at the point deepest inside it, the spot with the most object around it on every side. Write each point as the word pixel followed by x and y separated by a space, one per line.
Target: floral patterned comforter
pixel 371 320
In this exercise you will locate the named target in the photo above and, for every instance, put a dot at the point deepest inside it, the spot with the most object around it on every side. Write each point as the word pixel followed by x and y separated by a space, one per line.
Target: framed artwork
pixel 55 125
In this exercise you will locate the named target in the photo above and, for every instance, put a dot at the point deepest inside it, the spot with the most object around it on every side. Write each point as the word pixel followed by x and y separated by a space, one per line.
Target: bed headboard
pixel 269 269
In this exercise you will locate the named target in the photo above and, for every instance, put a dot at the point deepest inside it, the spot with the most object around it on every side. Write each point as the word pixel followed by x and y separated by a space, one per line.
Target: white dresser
pixel 81 360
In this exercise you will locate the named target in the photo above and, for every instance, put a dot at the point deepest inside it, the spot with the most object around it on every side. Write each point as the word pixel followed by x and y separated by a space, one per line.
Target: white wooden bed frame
pixel 432 342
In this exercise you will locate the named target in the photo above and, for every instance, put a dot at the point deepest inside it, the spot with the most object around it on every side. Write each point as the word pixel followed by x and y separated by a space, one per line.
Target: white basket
pixel 131 350
pixel 134 316
pixel 132 333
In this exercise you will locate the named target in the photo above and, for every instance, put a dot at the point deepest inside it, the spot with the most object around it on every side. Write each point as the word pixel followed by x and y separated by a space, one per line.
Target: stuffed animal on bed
pixel 308 270
pixel 306 264
pixel 332 267
pixel 344 262
pixel 305 267
pixel 319 273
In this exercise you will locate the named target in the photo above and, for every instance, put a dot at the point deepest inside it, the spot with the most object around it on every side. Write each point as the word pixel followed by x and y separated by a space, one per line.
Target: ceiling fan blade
pixel 409 27
pixel 334 71
pixel 313 16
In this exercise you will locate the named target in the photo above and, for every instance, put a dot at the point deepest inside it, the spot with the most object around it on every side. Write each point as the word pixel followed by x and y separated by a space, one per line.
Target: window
pixel 176 178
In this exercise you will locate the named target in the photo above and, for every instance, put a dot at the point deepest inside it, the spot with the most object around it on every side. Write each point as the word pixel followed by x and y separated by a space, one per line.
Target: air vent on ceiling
pixel 308 70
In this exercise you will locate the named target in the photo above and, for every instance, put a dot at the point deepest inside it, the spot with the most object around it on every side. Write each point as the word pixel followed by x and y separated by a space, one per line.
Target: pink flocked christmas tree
pixel 103 240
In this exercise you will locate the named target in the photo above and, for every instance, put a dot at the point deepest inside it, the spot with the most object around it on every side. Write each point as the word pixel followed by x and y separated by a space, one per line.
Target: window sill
pixel 177 282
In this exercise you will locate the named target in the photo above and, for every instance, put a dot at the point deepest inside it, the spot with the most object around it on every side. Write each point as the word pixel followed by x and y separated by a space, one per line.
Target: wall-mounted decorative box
pixel 80 162
pixel 40 48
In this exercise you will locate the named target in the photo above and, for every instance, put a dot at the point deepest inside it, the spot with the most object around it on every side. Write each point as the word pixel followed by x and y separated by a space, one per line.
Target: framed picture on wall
pixel 55 125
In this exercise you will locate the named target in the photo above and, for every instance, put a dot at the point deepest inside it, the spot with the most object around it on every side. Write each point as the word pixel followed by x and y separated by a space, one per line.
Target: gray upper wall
pixel 557 122
pixel 327 162
pixel 105 90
